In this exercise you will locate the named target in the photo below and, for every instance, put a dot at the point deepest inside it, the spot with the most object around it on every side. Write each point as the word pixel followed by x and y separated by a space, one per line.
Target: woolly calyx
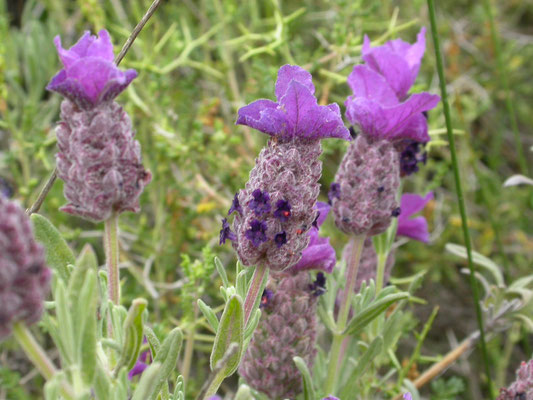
pixel 397 61
pixel 24 277
pixel 368 179
pixel 296 114
pixel 376 110
pixel 89 75
pixel 522 387
pixel 99 161
pixel 287 174
pixel 287 329
pixel 319 254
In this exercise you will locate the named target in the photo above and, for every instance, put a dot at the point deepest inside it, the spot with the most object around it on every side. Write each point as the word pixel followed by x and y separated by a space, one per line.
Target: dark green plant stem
pixel 459 190
pixel 504 83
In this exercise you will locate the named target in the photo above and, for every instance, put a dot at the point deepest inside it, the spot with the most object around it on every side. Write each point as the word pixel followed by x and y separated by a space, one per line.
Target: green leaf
pixel 309 389
pixel 230 330
pixel 133 335
pixel 179 389
pixel 102 384
pixel 252 324
pixel 153 340
pixel 86 261
pixel 64 323
pixel 167 357
pixel 367 314
pixel 363 363
pixel 209 314
pixel 58 254
pixel 148 383
pixel 478 259
pixel 221 271
pixel 244 393
pixel 85 326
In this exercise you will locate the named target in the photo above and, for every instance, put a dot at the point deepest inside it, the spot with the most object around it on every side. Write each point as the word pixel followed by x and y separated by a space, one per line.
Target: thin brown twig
pixel 50 182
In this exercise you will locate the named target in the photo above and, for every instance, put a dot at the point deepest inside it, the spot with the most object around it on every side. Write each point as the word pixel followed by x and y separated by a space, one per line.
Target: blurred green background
pixel 198 62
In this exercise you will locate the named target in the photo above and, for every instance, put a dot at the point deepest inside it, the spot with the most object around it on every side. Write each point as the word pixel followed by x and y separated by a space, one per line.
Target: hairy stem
pixel 335 355
pixel 111 255
pixel 459 190
pixel 38 357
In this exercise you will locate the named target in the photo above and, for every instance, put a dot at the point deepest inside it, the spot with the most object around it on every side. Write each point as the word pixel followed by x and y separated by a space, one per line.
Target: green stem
pixel 189 349
pixel 335 355
pixel 215 384
pixel 111 255
pixel 504 82
pixel 38 357
pixel 459 190
pixel 253 291
pixel 382 261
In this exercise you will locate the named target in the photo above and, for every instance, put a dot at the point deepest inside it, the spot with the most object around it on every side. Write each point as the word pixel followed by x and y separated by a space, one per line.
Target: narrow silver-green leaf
pixel 309 389
pixel 252 324
pixel 86 261
pixel 148 383
pixel 102 383
pixel 363 363
pixel 152 339
pixel 367 314
pixel 133 335
pixel 58 254
pixel 167 357
pixel 230 330
pixel 244 393
pixel 86 335
pixel 64 322
pixel 222 272
pixel 480 260
pixel 209 314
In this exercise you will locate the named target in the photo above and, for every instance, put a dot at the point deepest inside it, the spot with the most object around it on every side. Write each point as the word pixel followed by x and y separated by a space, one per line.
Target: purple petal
pixel 318 255
pixel 87 46
pixel 369 84
pixel 262 115
pixel 323 209
pixel 289 73
pixel 137 369
pixel 414 228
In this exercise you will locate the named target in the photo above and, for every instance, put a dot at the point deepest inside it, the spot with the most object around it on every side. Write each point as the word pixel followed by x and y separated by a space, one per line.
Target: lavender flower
pixel 414 228
pixel 287 329
pixel 89 77
pixel 145 358
pixel 522 387
pixel 24 277
pixel 330 398
pixel 235 205
pixel 98 158
pixel 408 396
pixel 225 232
pixel 411 155
pixel 274 219
pixel 397 61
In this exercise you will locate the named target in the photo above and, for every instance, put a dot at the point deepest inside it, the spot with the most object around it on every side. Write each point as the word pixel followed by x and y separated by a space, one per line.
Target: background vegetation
pixel 198 62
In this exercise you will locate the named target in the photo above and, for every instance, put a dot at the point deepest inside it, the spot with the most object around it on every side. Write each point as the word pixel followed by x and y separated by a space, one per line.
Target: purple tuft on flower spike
pixel 283 186
pixel 397 61
pixel 89 75
pixel 235 205
pixel 24 277
pixel 225 232
pixel 98 158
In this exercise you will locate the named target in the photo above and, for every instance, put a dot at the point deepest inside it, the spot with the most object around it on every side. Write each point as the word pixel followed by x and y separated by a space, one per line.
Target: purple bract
pixel 89 76
pixel 377 111
pixel 297 113
pixel 414 228
pixel 397 61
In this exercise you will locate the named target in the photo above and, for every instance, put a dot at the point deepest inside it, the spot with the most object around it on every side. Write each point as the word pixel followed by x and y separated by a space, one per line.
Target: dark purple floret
pixel 280 239
pixel 235 205
pixel 225 232
pixel 283 210
pixel 353 133
pixel 318 287
pixel 6 188
pixel 257 232
pixel 266 298
pixel 396 212
pixel 315 222
pixel 334 192
pixel 411 156
pixel 261 202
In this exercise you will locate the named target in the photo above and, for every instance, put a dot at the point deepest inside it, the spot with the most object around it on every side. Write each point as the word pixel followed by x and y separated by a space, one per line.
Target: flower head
pixel 296 113
pixel 522 387
pixel 375 108
pixel 397 61
pixel 319 254
pixel 414 228
pixel 24 277
pixel 89 75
